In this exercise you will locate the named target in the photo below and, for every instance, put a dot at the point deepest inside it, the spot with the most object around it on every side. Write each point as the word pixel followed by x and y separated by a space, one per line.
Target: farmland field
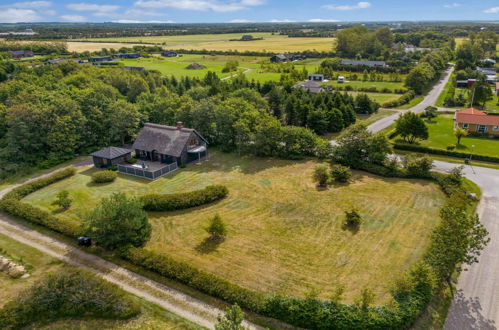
pixel 270 42
pixel 284 235
pixel 39 265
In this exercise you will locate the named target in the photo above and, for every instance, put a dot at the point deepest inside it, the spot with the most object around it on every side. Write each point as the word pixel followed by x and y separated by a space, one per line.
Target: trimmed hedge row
pixel 11 204
pixel 180 201
pixel 195 278
pixel 435 151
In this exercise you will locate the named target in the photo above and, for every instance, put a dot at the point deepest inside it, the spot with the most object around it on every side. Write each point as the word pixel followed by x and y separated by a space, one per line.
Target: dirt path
pixel 171 299
pixel 237 73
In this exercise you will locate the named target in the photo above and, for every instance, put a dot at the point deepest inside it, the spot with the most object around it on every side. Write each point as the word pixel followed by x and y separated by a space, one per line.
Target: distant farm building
pixel 168 53
pixel 127 55
pixel 286 57
pixel 364 63
pixel 21 53
pixel 310 86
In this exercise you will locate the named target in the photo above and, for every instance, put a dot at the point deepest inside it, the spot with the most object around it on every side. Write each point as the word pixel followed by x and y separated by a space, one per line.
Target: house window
pixel 466 125
pixel 495 128
pixel 481 128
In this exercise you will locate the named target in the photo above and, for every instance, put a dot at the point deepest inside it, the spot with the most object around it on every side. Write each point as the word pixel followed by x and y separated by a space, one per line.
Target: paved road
pixel 476 303
pixel 171 299
pixel 429 99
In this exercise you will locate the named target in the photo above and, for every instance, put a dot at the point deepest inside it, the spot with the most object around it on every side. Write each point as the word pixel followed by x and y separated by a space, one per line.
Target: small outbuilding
pixel 316 77
pixel 111 156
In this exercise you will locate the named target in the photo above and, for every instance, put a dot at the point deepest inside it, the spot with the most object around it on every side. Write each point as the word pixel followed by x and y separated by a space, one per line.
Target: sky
pixel 239 11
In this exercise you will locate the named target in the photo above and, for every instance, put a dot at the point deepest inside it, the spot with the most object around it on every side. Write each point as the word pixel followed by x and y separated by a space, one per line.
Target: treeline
pixel 424 74
pixel 360 41
pixel 424 39
pixel 37 47
pixel 49 114
pixel 328 66
pixel 306 53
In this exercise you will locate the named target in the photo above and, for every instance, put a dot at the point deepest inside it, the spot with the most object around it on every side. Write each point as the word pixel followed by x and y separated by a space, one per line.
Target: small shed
pixel 110 156
pixel 316 77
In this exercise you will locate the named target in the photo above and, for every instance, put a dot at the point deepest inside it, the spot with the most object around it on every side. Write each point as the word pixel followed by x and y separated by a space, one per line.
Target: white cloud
pixel 200 5
pixel 32 4
pixel 73 18
pixel 452 5
pixel 49 12
pixel 92 7
pixel 132 21
pixel 14 15
pixel 281 21
pixel 359 5
pixel 493 10
pixel 322 20
pixel 237 20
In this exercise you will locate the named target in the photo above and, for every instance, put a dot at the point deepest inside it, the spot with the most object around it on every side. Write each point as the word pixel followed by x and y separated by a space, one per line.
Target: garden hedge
pixel 403 99
pixel 180 201
pixel 104 176
pixel 457 154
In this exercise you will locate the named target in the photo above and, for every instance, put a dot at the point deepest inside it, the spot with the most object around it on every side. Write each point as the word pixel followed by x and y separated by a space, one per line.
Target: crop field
pixel 270 43
pixel 284 235
pixel 81 47
pixel 441 132
pixel 39 265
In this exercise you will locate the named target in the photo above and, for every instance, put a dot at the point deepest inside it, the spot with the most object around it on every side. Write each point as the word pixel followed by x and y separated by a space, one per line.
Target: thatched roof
pixel 166 140
pixel 111 152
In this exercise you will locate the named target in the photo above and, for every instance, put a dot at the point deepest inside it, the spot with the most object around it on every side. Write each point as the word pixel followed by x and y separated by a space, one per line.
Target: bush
pixel 180 201
pixel 341 173
pixel 353 218
pixel 113 168
pixel 70 293
pixel 451 147
pixel 63 200
pixel 197 279
pixel 104 176
pixel 321 175
pixel 418 167
pixel 403 99
pixel 217 228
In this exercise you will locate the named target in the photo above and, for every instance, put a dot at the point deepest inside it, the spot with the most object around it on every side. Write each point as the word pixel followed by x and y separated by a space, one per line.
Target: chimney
pixel 180 125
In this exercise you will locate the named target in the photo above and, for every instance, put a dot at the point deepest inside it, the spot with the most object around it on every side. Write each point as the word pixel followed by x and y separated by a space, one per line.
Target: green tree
pixel 353 218
pixel 420 77
pixel 459 133
pixel 119 221
pixel 321 175
pixel 217 228
pixel 63 200
pixel 411 127
pixel 124 120
pixel 232 319
pixel 430 113
pixel 341 173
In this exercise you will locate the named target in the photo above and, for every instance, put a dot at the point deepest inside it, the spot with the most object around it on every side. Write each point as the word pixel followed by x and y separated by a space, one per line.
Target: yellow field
pixel 284 235
pixel 271 43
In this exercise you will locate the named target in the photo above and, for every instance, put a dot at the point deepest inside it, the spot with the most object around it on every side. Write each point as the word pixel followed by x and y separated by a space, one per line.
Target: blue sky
pixel 200 11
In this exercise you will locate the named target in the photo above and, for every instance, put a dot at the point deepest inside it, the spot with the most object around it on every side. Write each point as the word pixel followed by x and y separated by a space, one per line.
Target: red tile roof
pixel 474 116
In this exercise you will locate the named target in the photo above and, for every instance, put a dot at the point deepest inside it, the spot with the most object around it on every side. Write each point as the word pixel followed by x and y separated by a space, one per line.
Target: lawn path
pixel 171 299
pixel 237 73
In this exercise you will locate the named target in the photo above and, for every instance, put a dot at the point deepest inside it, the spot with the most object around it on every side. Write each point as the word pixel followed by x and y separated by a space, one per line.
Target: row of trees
pixel 359 41
pixel 423 75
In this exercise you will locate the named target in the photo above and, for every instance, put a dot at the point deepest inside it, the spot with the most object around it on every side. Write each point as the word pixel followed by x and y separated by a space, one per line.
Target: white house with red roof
pixel 474 120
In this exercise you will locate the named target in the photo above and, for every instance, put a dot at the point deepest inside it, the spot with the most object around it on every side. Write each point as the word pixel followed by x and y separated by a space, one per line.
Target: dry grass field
pixel 270 43
pixel 80 47
pixel 285 236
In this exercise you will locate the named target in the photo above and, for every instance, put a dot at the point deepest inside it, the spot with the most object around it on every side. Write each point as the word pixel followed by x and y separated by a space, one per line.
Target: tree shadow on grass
pixel 209 245
pixel 352 229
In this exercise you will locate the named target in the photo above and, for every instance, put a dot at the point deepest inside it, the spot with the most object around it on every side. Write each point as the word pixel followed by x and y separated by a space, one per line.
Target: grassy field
pixel 270 42
pixel 442 134
pixel 378 97
pixel 284 235
pixel 39 265
pixel 380 114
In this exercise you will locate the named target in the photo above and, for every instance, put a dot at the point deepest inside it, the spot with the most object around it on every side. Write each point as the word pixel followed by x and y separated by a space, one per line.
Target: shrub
pixel 321 175
pixel 451 147
pixel 232 319
pixel 180 201
pixel 119 221
pixel 63 200
pixel 403 99
pixel 353 218
pixel 70 293
pixel 104 176
pixel 113 168
pixel 341 173
pixel 418 167
pixel 217 228
pixel 132 160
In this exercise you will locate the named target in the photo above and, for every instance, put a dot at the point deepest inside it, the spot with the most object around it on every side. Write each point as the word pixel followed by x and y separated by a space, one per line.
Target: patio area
pixel 147 169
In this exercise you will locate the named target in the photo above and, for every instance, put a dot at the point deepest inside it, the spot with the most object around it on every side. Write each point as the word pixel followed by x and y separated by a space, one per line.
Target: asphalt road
pixel 476 303
pixel 430 99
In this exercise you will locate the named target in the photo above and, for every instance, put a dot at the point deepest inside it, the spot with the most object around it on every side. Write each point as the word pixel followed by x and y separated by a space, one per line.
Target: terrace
pixel 147 169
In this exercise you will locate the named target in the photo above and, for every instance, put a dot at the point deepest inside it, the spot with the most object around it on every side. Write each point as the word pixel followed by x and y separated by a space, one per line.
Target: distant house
pixel 168 53
pixel 286 57
pixel 127 55
pixel 247 37
pixel 474 120
pixel 462 83
pixel 316 77
pixel 110 156
pixel 310 86
pixel 100 59
pixel 364 63
pixel 21 53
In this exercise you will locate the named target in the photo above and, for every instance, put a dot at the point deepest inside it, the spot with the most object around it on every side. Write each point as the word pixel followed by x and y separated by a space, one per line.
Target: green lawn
pixel 39 265
pixel 285 236
pixel 442 134
pixel 380 114
pixel 378 97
